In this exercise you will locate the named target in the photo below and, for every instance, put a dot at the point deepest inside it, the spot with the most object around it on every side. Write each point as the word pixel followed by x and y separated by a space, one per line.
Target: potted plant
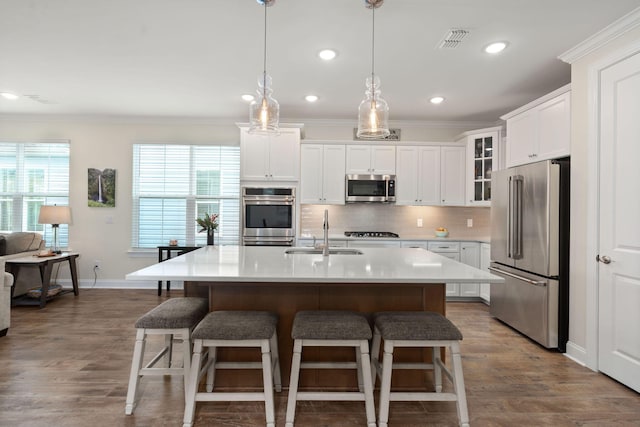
pixel 208 223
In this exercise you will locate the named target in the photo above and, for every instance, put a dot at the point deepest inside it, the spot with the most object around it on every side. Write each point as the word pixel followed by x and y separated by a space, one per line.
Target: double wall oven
pixel 268 216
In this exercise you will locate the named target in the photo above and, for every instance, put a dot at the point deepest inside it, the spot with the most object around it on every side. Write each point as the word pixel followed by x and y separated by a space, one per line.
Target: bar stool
pixel 417 329
pixel 234 329
pixel 331 329
pixel 174 318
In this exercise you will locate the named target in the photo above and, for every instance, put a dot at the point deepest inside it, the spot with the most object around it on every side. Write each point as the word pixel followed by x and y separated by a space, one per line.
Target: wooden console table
pixel 161 257
pixel 45 264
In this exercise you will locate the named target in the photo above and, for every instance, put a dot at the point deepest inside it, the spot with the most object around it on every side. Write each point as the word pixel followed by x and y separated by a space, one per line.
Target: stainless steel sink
pixel 314 251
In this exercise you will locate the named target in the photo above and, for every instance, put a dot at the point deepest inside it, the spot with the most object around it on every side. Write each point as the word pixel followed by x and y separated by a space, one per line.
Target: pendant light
pixel 264 111
pixel 373 113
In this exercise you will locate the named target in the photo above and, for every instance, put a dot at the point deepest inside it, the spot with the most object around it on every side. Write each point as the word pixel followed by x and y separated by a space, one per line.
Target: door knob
pixel 603 259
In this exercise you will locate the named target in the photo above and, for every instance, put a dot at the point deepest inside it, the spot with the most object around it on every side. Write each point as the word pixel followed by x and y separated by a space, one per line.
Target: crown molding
pixel 602 37
pixel 295 122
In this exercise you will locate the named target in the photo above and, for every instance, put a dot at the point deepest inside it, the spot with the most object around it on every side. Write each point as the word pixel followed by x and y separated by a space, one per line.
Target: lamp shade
pixel 54 215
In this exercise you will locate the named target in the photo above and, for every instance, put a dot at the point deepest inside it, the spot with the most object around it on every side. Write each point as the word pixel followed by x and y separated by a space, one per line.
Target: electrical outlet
pixel 97 264
pixel 470 222
pixel 419 222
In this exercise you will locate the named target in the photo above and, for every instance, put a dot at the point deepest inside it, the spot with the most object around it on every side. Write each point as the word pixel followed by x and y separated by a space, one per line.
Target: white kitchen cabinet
pixel 364 243
pixel 470 255
pixel 430 175
pixel 452 176
pixel 450 250
pixel 371 159
pixel 418 175
pixel 270 157
pixel 485 260
pixel 322 174
pixel 482 158
pixel 540 130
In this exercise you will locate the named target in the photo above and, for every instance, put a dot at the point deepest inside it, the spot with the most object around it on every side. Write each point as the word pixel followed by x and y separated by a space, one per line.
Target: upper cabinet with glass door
pixel 482 159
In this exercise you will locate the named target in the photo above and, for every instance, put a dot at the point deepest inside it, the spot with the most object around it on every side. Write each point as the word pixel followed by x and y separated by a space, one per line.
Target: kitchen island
pixel 270 278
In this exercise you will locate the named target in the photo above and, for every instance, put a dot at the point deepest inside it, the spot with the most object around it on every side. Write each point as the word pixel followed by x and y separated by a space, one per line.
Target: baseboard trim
pixel 120 284
pixel 576 353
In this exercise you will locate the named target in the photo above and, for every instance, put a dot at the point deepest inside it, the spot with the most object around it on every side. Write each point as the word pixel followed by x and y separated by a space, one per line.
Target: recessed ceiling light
pixel 327 54
pixel 311 98
pixel 496 47
pixel 247 97
pixel 8 95
pixel 436 100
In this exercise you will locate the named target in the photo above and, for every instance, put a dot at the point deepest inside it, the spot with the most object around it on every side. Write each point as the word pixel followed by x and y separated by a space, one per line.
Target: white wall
pixel 104 233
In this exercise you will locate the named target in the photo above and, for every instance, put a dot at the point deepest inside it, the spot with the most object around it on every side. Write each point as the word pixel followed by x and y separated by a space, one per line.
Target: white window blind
pixel 32 175
pixel 175 184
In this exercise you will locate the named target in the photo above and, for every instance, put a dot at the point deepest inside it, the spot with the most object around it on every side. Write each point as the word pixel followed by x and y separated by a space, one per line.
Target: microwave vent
pixel 453 38
pixel 393 136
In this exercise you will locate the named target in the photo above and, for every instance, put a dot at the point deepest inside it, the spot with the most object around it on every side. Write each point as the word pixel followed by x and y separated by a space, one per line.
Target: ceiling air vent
pixel 453 38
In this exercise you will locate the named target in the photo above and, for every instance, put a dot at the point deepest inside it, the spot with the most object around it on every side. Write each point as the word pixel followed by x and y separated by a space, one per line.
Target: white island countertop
pixel 272 264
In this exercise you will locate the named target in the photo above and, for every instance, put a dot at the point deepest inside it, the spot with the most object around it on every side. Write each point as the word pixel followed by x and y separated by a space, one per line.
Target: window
pixel 32 175
pixel 175 184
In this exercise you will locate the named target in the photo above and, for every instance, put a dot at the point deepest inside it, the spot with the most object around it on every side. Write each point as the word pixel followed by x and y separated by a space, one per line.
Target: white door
pixel 619 224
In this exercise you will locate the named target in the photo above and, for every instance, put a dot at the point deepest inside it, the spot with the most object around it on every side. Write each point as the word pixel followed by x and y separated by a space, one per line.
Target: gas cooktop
pixel 370 234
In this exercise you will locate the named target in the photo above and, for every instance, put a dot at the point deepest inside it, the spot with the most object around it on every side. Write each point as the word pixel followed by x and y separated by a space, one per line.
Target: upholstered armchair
pixel 6 281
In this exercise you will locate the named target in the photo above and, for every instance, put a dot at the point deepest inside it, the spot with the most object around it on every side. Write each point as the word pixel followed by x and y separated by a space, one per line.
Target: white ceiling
pixel 195 58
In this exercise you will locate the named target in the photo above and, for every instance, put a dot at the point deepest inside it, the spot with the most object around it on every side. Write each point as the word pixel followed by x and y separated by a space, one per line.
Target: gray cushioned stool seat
pixel 331 328
pixel 417 329
pixel 234 328
pixel 397 325
pixel 236 325
pixel 174 318
pixel 330 325
pixel 175 313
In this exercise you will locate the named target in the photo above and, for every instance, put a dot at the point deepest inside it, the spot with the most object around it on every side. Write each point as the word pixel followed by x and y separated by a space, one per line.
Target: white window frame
pixel 170 183
pixel 53 189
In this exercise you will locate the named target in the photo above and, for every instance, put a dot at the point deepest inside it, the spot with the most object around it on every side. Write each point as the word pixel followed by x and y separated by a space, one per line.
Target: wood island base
pixel 288 298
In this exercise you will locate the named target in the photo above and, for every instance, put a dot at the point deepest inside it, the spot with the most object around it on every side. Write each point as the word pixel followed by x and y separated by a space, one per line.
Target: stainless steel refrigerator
pixel 530 250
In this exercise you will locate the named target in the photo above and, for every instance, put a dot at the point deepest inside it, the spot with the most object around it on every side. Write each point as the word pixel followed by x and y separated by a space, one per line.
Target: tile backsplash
pixel 397 219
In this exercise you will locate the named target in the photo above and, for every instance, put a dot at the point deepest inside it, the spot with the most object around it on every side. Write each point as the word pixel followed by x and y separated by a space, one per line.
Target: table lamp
pixel 54 215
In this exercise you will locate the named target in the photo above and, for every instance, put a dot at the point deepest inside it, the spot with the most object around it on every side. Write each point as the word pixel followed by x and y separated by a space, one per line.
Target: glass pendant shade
pixel 373 113
pixel 264 110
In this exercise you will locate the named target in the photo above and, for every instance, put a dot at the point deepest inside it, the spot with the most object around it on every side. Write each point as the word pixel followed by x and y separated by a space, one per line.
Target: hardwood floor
pixel 68 365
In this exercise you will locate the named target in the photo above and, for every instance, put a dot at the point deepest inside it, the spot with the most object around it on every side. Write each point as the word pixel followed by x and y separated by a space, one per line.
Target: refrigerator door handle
pixel 510 218
pixel 516 234
pixel 515 276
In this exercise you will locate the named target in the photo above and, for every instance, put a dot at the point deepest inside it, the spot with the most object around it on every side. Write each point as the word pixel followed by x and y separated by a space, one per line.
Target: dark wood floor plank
pixel 68 365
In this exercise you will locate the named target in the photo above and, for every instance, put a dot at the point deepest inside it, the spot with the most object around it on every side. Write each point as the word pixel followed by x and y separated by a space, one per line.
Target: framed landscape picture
pixel 101 188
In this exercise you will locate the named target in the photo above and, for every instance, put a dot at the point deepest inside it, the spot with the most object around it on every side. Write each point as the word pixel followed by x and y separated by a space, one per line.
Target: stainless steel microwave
pixel 370 188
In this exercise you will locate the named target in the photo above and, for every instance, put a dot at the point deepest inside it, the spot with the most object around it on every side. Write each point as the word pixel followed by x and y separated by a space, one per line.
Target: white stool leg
pixel 275 360
pixel 375 354
pixel 192 385
pixel 134 376
pixel 458 383
pixel 363 353
pixel 293 383
pixel 359 367
pixel 437 369
pixel 267 377
pixel 211 372
pixel 385 384
pixel 168 343
pixel 186 357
